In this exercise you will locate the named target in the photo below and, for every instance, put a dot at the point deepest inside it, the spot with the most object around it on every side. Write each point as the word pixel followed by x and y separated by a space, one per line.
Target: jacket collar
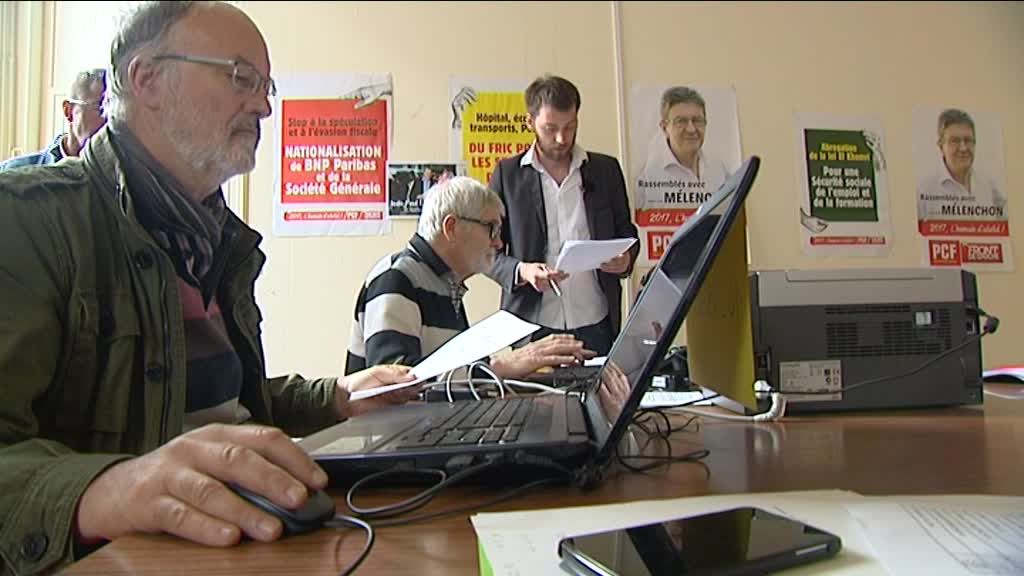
pixel 529 158
pixel 426 252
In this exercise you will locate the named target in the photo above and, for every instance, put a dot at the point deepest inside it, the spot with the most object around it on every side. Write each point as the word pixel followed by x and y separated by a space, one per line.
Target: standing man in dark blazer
pixel 555 192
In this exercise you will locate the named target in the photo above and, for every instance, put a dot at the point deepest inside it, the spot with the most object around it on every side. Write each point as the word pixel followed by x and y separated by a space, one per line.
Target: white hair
pixel 458 196
pixel 142 29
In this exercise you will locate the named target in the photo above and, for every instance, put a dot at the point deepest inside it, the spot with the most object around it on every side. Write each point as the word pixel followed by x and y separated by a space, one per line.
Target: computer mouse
pixel 318 509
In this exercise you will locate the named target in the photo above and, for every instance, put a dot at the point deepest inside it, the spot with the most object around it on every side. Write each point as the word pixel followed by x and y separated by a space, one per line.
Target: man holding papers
pixel 554 193
pixel 411 302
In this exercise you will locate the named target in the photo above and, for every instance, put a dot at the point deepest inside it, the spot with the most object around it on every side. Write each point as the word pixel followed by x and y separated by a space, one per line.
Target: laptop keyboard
pixel 492 421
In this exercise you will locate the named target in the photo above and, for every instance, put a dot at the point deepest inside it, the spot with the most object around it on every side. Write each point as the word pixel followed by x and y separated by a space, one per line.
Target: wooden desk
pixel 960 450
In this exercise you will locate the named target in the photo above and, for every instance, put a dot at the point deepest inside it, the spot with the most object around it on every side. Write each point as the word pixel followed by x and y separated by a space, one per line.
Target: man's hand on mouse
pixel 180 488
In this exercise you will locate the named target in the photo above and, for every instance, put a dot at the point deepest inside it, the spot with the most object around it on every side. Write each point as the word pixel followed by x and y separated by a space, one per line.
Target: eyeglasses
pixel 493 228
pixel 957 141
pixel 243 75
pixel 682 121
pixel 98 105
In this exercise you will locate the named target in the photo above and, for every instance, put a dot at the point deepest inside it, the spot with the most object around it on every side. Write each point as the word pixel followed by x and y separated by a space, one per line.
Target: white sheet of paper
pixel 486 337
pixel 944 538
pixel 583 255
pixel 527 542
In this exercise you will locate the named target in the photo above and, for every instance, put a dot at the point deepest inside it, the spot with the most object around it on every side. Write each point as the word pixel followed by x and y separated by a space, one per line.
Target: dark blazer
pixel 525 230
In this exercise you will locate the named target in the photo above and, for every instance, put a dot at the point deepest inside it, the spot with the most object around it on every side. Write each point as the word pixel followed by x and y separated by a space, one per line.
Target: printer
pixel 818 331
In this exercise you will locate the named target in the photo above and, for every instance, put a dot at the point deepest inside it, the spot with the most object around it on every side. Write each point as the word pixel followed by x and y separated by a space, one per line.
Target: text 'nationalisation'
pixel 334 151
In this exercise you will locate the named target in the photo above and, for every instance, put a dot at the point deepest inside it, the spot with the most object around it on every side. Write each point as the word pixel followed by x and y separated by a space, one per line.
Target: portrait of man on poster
pixel 678 172
pixel 957 188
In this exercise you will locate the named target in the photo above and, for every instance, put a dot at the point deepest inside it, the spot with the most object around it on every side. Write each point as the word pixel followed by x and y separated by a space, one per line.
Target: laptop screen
pixel 659 311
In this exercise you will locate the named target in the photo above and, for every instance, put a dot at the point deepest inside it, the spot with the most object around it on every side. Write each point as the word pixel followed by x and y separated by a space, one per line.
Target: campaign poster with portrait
pixel 962 199
pixel 488 123
pixel 409 182
pixel 332 137
pixel 844 186
pixel 684 141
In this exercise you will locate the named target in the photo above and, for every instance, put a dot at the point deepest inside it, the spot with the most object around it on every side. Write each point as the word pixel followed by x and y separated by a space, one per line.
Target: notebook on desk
pixel 578 431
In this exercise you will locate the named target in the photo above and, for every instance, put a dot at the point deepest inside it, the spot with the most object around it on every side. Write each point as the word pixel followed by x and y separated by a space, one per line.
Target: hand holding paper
pixel 357 384
pixel 584 255
pixel 486 337
pixel 617 265
pixel 540 276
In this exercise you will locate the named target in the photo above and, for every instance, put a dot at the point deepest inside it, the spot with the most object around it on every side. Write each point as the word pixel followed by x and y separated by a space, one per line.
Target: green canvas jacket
pixel 92 346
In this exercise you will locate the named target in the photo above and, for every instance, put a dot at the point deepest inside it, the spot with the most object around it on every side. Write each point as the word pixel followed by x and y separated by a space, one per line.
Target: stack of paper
pixel 584 255
pixel 936 535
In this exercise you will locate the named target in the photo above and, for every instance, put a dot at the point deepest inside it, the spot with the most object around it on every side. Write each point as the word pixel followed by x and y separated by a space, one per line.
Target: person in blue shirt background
pixel 84 112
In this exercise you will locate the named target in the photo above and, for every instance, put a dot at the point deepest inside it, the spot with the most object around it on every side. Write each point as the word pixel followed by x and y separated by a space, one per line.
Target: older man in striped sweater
pixel 411 302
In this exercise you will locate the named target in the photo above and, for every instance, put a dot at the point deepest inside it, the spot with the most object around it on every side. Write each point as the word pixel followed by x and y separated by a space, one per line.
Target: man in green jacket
pixel 129 334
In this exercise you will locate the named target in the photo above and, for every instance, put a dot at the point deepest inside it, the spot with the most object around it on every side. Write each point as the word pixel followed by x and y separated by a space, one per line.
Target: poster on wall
pixel 684 140
pixel 408 183
pixel 962 208
pixel 332 137
pixel 844 190
pixel 488 123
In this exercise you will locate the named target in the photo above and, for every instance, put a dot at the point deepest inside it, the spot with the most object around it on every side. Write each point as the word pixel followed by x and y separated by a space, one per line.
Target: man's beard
pixel 217 155
pixel 554 154
pixel 483 263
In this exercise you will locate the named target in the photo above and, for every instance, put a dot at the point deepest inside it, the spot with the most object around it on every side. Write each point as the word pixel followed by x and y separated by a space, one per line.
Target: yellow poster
pixel 488 125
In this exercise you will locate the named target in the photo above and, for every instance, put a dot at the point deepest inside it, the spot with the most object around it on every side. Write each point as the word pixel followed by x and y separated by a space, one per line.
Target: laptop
pixel 576 431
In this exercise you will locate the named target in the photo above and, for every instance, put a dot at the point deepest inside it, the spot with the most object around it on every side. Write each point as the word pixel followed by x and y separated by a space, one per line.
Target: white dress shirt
pixel 665 183
pixel 582 303
pixel 940 197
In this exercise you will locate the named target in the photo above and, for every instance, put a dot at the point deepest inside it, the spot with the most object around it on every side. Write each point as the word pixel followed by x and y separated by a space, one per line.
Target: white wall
pixel 876 59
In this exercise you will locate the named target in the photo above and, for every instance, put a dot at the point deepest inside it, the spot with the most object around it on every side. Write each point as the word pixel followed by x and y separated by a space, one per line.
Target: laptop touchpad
pixel 363 434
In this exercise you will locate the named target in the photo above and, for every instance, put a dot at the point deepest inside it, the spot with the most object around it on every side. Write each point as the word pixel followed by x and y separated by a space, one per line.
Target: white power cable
pixel 776 412
pixel 486 368
pixel 534 386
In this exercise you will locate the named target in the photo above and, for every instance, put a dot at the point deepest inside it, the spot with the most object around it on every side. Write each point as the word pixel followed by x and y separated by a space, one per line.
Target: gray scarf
pixel 189 231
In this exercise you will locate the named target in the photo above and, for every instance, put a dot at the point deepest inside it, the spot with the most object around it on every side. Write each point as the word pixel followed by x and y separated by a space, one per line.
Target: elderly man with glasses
pixel 411 301
pixel 134 390
pixel 84 112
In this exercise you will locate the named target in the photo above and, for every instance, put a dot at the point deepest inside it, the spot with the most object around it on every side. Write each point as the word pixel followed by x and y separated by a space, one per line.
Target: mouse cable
pixel 417 501
pixel 399 507
pixel 341 520
pixel 422 498
pixel 519 490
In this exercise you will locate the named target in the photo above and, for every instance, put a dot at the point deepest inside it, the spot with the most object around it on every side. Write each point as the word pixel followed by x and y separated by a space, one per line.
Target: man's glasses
pixel 493 228
pixel 98 105
pixel 246 78
pixel 957 141
pixel 682 121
